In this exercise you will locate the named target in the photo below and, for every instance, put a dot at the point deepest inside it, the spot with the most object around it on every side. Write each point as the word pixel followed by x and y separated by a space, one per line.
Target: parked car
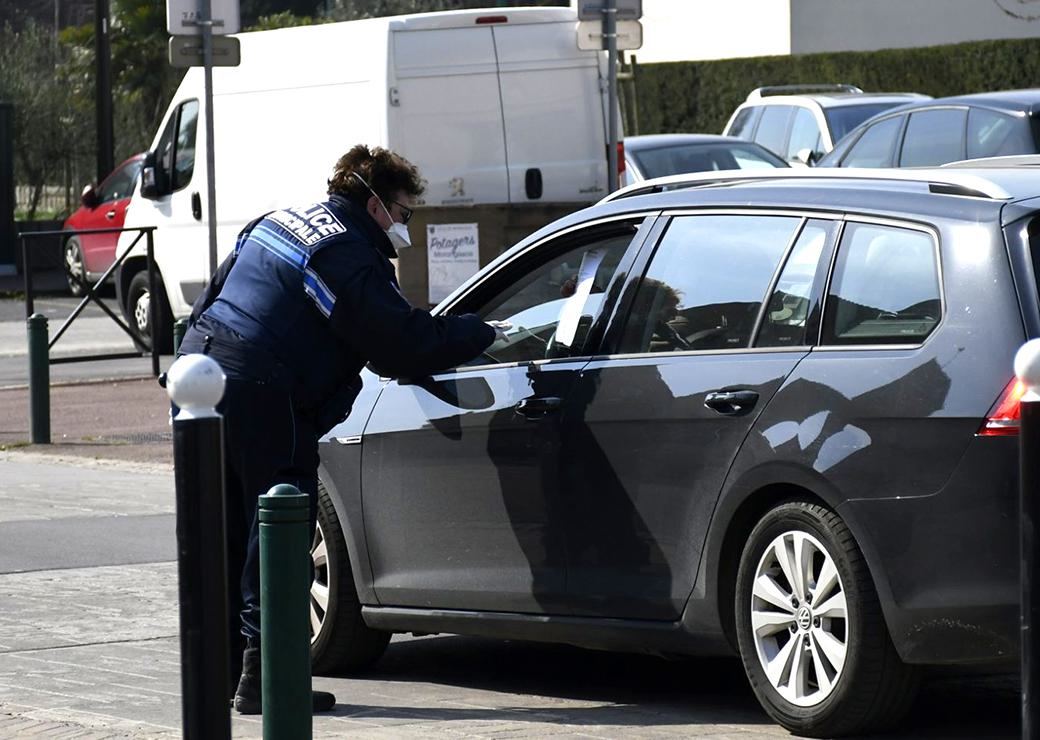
pixel 87 256
pixel 657 155
pixel 934 132
pixel 748 414
pixel 801 123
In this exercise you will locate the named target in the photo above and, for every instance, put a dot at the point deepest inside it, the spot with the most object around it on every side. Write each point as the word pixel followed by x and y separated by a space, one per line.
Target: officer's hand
pixel 500 327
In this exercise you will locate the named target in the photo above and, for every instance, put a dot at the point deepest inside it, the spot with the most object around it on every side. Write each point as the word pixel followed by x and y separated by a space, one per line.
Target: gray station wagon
pixel 770 414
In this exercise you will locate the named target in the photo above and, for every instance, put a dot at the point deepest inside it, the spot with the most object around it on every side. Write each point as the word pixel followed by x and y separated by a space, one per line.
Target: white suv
pixel 801 123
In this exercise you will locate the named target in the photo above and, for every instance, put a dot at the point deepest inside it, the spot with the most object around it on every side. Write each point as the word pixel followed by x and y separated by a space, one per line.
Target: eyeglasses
pixel 406 212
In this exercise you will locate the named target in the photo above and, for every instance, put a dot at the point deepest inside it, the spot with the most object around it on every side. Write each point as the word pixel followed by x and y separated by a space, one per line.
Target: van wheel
pixel 340 639
pixel 138 300
pixel 811 633
pixel 75 267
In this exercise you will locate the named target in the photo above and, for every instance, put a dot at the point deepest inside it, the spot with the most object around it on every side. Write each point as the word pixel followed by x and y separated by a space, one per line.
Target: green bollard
pixel 180 328
pixel 285 579
pixel 39 380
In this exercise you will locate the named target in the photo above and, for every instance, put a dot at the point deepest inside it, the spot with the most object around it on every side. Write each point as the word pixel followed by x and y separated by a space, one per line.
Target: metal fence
pixel 54 199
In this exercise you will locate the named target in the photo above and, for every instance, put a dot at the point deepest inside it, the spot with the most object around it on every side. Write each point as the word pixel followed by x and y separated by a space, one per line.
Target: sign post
pixel 204 18
pixel 609 13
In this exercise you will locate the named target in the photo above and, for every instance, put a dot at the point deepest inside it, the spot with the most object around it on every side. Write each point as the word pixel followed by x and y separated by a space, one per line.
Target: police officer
pixel 308 297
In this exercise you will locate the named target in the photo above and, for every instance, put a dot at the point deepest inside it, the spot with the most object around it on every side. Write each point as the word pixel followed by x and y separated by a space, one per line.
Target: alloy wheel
pixel 799 618
pixel 319 602
pixel 141 313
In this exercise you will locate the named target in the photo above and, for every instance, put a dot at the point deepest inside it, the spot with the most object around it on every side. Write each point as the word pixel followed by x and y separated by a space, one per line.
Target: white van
pixel 502 113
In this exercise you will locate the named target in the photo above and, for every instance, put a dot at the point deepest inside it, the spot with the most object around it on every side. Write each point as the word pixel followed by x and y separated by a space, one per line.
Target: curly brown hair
pixel 386 172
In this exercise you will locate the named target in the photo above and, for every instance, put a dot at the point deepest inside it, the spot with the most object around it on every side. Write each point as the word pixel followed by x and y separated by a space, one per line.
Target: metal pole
pixel 180 328
pixel 153 306
pixel 195 384
pixel 610 34
pixel 211 187
pixel 1027 368
pixel 39 380
pixel 285 575
pixel 27 276
pixel 103 91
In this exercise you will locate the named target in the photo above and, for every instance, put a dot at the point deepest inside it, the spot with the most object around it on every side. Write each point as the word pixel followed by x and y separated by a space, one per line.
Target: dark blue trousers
pixel 266 442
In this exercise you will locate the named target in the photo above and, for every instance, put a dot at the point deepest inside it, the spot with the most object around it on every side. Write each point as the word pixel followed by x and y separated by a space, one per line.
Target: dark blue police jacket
pixel 310 296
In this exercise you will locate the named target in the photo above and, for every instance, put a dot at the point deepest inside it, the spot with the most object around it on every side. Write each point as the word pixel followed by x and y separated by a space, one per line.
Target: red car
pixel 104 207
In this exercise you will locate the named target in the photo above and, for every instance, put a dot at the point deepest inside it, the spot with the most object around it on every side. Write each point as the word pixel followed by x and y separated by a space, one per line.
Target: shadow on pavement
pixel 647 690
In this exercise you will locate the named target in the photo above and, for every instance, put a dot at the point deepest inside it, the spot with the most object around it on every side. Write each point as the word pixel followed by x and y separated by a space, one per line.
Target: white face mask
pixel 398 232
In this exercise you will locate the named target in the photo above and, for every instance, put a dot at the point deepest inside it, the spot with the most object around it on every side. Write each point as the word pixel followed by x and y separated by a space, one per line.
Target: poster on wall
pixel 453 255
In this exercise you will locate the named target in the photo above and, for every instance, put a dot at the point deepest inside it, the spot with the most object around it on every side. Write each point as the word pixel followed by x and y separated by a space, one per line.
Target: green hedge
pixel 700 96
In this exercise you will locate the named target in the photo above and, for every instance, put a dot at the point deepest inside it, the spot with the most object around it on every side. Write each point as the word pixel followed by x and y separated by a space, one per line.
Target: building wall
pixel 678 30
pixel 868 25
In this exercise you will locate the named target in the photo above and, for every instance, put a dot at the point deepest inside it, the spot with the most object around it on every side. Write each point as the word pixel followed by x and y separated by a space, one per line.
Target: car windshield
pixel 844 118
pixel 675 160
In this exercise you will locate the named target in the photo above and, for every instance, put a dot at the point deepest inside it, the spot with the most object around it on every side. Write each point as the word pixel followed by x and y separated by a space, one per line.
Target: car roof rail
pixel 760 92
pixel 943 181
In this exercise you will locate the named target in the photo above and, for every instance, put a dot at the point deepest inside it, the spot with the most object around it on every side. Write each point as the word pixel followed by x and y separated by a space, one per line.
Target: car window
pixel 705 283
pixel 755 158
pixel 184 158
pixel 744 123
pixel 701 157
pixel 992 134
pixel 885 288
pixel 120 184
pixel 772 129
pixel 933 137
pixel 841 119
pixel 805 134
pixel 549 308
pixel 788 309
pixel 874 148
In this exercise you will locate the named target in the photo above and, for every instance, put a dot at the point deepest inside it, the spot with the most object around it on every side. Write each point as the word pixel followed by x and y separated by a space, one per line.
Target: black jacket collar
pixel 366 224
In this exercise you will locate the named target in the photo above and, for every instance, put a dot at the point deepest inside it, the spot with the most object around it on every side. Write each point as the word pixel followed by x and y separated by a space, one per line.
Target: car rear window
pixel 885 288
pixel 843 118
pixel 933 137
pixel 674 160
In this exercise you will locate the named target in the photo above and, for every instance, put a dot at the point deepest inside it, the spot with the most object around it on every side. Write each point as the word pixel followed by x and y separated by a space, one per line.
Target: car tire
pixel 74 266
pixel 341 642
pixel 815 648
pixel 138 297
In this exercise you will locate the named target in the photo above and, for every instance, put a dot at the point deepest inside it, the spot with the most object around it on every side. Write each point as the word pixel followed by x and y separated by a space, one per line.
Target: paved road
pixel 88 645
pixel 91 333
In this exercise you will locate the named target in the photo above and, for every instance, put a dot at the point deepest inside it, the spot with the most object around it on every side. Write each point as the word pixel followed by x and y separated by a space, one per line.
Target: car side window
pixel 885 288
pixel 120 184
pixel 805 134
pixel 772 129
pixel 787 311
pixel 706 282
pixel 744 123
pixel 992 134
pixel 934 137
pixel 875 147
pixel 550 307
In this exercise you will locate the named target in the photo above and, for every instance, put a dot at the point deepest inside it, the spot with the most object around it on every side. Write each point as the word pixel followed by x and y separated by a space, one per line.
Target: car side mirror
pixel 149 179
pixel 89 198
pixel 807 156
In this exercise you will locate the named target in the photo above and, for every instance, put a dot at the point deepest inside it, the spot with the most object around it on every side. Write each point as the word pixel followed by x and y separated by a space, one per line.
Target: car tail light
pixel 1004 418
pixel 492 19
pixel 621 163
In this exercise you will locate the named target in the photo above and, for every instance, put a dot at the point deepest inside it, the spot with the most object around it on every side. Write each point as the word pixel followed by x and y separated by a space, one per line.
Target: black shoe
pixel 247 698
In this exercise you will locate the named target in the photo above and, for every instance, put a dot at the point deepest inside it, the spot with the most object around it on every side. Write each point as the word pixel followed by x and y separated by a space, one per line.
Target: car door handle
pixel 111 214
pixel 536 408
pixel 196 206
pixel 731 403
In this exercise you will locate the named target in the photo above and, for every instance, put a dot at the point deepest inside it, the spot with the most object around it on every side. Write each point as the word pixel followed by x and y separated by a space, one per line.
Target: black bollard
pixel 39 380
pixel 195 384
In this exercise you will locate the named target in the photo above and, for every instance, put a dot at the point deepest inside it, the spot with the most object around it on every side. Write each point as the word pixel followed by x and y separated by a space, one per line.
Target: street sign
pixel 182 17
pixel 629 35
pixel 186 51
pixel 592 10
